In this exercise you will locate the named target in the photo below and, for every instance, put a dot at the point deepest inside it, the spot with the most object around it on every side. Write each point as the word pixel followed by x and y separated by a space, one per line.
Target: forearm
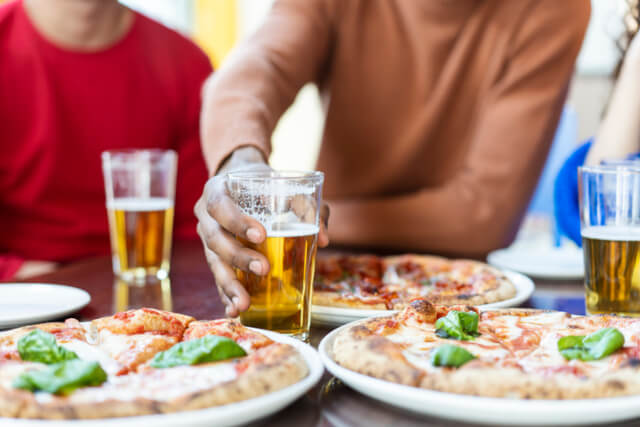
pixel 460 218
pixel 619 133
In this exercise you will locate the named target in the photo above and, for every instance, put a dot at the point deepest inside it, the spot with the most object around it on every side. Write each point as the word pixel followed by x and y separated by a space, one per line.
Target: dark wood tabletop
pixel 190 290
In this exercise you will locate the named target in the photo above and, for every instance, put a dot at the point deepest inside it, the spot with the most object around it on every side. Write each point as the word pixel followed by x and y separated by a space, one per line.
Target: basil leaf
pixel 459 325
pixel 62 378
pixel 201 350
pixel 40 346
pixel 594 346
pixel 450 355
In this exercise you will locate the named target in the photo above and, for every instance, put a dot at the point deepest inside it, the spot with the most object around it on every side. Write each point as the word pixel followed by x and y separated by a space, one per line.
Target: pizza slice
pixel 133 337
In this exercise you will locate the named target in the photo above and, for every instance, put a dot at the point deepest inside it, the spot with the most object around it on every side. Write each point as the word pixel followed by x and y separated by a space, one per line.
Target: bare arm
pixel 481 207
pixel 619 133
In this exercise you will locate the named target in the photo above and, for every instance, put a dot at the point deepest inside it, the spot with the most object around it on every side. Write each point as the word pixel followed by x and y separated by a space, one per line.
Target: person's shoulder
pixel 169 44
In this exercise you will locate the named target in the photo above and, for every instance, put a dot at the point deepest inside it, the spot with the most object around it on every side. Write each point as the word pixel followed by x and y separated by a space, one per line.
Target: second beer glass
pixel 287 205
pixel 610 221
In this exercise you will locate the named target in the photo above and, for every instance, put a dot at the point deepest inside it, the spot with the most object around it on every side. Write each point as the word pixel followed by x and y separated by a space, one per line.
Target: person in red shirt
pixel 78 78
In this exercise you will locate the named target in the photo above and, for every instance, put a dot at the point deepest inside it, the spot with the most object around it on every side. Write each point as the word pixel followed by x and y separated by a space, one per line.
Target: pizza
pixel 389 283
pixel 138 362
pixel 510 353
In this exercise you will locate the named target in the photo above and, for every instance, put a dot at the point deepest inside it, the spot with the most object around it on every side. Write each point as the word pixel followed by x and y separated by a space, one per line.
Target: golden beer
pixel 280 301
pixel 612 269
pixel 140 232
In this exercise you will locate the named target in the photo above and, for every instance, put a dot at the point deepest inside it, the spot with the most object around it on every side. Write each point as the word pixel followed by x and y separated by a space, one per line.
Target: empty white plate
pixel 564 263
pixel 25 303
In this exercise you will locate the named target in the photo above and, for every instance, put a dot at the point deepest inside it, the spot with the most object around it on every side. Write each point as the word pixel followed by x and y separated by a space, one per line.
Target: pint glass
pixel 140 189
pixel 287 205
pixel 610 226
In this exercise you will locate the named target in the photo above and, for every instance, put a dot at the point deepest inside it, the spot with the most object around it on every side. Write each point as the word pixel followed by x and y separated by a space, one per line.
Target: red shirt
pixel 60 109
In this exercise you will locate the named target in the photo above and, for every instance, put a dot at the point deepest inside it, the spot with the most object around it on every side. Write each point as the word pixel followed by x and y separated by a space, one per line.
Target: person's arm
pixel 242 104
pixel 481 207
pixel 619 133
pixel 192 170
pixel 244 99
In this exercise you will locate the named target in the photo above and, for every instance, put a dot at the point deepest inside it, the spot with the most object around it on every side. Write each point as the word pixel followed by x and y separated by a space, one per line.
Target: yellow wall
pixel 215 27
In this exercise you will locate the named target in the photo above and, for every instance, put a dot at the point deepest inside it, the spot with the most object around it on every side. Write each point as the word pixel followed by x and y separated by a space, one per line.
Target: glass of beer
pixel 140 188
pixel 610 226
pixel 287 205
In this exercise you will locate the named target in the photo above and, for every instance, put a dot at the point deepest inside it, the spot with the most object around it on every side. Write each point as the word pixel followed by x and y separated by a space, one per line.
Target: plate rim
pixel 574 275
pixel 84 298
pixel 260 407
pixel 494 409
pixel 525 287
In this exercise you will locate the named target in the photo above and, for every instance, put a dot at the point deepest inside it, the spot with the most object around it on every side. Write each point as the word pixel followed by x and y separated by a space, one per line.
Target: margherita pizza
pixel 386 283
pixel 515 353
pixel 136 363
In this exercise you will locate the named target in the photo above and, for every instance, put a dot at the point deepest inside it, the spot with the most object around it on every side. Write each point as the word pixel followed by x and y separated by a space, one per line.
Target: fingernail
pixel 255 267
pixel 253 234
pixel 235 301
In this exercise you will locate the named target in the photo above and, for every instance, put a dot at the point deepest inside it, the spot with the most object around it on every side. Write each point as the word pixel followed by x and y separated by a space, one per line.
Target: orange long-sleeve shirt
pixel 439 113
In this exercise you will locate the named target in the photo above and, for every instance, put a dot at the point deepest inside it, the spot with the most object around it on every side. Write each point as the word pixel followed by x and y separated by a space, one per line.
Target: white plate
pixel 25 303
pixel 565 263
pixel 483 410
pixel 335 316
pixel 220 416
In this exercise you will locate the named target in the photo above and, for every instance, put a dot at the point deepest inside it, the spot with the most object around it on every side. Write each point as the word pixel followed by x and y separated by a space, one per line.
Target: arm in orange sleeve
pixel 480 208
pixel 246 97
pixel 192 170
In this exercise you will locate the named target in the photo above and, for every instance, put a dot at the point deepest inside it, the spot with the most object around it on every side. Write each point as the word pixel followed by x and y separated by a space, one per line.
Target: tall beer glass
pixel 287 205
pixel 610 225
pixel 140 189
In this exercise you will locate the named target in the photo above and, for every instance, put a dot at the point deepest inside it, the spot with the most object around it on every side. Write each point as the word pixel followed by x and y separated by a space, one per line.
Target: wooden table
pixel 191 291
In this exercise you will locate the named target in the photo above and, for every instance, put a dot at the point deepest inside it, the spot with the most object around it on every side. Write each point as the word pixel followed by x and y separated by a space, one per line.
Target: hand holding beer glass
pixel 610 226
pixel 287 204
pixel 140 190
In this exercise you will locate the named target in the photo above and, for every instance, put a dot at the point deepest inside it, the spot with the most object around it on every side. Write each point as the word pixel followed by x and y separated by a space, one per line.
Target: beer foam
pixel 134 204
pixel 292 230
pixel 614 232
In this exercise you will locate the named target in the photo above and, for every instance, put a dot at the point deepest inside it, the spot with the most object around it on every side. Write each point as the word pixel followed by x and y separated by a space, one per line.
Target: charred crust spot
pixel 423 307
pixel 634 362
pixel 616 384
pixel 360 331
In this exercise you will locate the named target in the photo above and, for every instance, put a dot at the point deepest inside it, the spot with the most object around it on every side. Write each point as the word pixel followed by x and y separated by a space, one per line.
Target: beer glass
pixel 140 190
pixel 287 205
pixel 610 226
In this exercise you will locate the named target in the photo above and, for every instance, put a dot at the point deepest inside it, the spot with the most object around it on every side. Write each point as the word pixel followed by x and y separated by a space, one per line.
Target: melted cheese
pixel 159 384
pixel 86 351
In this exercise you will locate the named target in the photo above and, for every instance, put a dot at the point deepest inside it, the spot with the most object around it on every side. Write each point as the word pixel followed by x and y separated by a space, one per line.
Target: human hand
pixel 220 220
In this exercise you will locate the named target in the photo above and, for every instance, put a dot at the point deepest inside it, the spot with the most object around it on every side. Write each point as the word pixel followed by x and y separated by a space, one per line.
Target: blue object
pixel 565 195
